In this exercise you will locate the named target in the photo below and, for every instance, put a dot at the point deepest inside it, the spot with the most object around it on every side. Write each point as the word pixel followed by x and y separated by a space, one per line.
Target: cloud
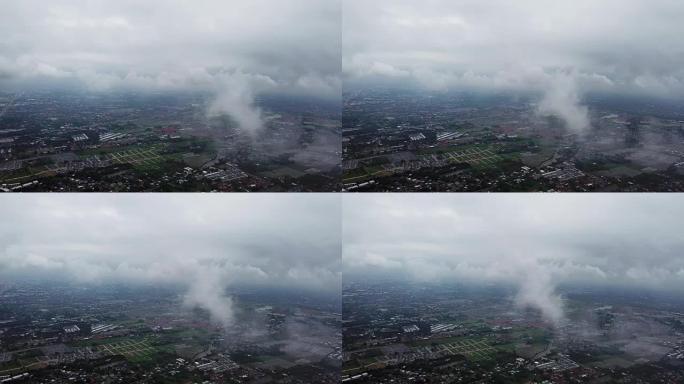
pixel 562 99
pixel 176 45
pixel 207 292
pixel 235 97
pixel 534 242
pixel 203 243
pixel 611 46
pixel 537 290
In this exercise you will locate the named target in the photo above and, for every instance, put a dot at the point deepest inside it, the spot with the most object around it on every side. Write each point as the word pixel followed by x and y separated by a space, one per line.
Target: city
pixel 61 332
pixel 402 332
pixel 119 288
pixel 420 141
pixel 492 96
pixel 519 288
pixel 84 142
pixel 341 191
pixel 119 96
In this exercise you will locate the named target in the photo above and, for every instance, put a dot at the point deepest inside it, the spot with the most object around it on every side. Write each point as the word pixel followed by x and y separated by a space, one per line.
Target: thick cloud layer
pixel 535 242
pixel 234 49
pixel 204 243
pixel 615 46
pixel 170 44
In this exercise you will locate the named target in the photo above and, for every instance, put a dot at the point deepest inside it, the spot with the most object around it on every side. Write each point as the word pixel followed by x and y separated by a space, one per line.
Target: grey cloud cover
pixel 202 242
pixel 615 46
pixel 289 46
pixel 296 46
pixel 535 242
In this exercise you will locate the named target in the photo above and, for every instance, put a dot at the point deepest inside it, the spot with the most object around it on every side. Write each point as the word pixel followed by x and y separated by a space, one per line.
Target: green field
pixel 25 174
pixel 472 349
pixel 138 157
pixel 360 174
pixel 477 157
pixel 104 151
pixel 150 157
pixel 446 148
pixel 139 350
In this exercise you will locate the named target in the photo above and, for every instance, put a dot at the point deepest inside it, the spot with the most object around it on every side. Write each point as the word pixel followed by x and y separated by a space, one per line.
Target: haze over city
pixel 534 242
pixel 609 46
pixel 520 288
pixel 528 96
pixel 248 91
pixel 204 244
pixel 326 191
pixel 235 288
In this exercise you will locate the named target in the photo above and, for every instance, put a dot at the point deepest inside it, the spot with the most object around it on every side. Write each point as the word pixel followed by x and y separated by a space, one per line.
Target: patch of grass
pixel 135 350
pixel 96 342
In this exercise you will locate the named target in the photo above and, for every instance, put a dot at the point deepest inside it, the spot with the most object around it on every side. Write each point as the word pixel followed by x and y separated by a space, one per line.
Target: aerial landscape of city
pixel 83 142
pixel 448 289
pixel 474 96
pixel 181 290
pixel 341 191
pixel 423 141
pixel 54 332
pixel 170 96
pixel 400 332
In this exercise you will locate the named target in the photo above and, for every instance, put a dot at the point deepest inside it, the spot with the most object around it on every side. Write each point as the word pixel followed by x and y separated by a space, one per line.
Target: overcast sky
pixel 277 46
pixel 534 241
pixel 609 45
pixel 262 238
pixel 199 241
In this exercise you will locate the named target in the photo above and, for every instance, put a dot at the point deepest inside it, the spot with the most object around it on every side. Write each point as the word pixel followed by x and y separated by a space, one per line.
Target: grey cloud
pixel 204 243
pixel 533 241
pixel 609 46
pixel 286 40
pixel 563 100
pixel 161 45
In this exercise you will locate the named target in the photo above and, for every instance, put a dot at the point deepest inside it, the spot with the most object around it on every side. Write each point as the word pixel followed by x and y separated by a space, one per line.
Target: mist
pixel 537 290
pixel 206 291
pixel 235 97
pixel 609 47
pixel 534 243
pixel 233 50
pixel 561 99
pixel 206 245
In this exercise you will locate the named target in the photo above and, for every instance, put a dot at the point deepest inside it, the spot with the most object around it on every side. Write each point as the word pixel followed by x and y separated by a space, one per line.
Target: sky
pixel 202 243
pixel 536 242
pixel 612 46
pixel 284 46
